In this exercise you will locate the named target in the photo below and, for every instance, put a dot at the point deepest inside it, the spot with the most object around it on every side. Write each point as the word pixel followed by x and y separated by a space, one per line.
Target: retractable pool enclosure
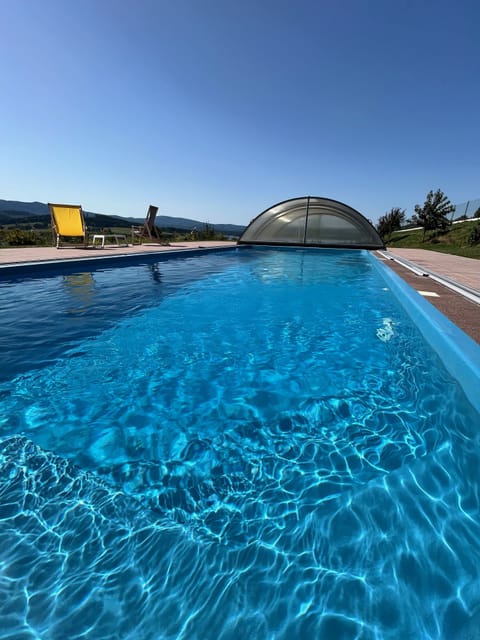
pixel 312 221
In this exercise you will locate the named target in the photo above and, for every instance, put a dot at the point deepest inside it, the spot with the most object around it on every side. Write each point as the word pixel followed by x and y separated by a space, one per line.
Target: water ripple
pixel 262 466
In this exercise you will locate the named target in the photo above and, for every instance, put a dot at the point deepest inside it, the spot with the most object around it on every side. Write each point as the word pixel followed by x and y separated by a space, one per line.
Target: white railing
pixel 405 229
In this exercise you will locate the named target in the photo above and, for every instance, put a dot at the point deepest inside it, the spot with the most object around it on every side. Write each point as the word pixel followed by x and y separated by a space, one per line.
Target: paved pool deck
pixel 456 270
pixel 465 271
pixel 24 255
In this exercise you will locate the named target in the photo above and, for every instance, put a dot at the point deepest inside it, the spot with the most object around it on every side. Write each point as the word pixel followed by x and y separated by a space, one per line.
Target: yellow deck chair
pixel 148 229
pixel 68 222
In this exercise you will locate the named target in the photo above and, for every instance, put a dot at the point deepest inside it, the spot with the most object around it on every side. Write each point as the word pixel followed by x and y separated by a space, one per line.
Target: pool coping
pixel 463 289
pixel 459 352
pixel 461 310
pixel 28 266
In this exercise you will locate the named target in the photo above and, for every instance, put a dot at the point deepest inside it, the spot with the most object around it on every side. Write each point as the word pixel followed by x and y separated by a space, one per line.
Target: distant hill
pixel 32 208
pixel 15 212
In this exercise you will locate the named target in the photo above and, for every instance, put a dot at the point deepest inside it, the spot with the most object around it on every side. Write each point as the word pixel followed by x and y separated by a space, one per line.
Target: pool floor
pixel 270 450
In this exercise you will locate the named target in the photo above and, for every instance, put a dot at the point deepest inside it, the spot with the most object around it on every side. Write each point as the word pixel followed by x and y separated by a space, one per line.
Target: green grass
pixel 454 241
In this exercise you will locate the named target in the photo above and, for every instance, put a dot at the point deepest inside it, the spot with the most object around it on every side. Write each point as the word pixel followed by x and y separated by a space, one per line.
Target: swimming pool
pixel 256 443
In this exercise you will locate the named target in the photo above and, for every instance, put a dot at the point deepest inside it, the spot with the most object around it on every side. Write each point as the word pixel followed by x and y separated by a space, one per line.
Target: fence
pixel 468 209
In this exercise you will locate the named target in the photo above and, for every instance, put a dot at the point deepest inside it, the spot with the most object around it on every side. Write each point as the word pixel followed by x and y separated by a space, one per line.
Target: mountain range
pixel 16 212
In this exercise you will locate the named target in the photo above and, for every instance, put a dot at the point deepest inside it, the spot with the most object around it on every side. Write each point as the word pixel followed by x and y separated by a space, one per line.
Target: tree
pixel 414 221
pixel 208 232
pixel 390 222
pixel 433 214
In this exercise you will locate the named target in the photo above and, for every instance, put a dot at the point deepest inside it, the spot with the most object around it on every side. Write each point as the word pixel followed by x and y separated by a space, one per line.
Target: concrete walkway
pixel 22 255
pixel 463 270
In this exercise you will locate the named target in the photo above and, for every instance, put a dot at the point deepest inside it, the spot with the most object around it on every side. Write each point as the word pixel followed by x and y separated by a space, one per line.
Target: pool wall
pixel 458 352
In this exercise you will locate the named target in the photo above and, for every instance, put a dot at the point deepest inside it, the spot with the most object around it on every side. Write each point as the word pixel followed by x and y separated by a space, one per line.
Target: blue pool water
pixel 243 444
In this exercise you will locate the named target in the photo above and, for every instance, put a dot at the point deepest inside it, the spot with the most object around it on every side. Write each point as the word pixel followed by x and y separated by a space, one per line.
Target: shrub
pixel 474 235
pixel 17 237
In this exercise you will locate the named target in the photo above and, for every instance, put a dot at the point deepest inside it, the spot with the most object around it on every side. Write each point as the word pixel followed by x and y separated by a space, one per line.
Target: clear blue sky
pixel 217 109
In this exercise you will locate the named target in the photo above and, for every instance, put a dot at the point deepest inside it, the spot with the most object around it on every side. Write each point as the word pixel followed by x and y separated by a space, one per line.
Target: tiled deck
pixel 461 311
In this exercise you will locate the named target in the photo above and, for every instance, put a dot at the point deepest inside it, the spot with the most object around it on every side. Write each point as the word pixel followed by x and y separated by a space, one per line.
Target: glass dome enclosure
pixel 312 221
